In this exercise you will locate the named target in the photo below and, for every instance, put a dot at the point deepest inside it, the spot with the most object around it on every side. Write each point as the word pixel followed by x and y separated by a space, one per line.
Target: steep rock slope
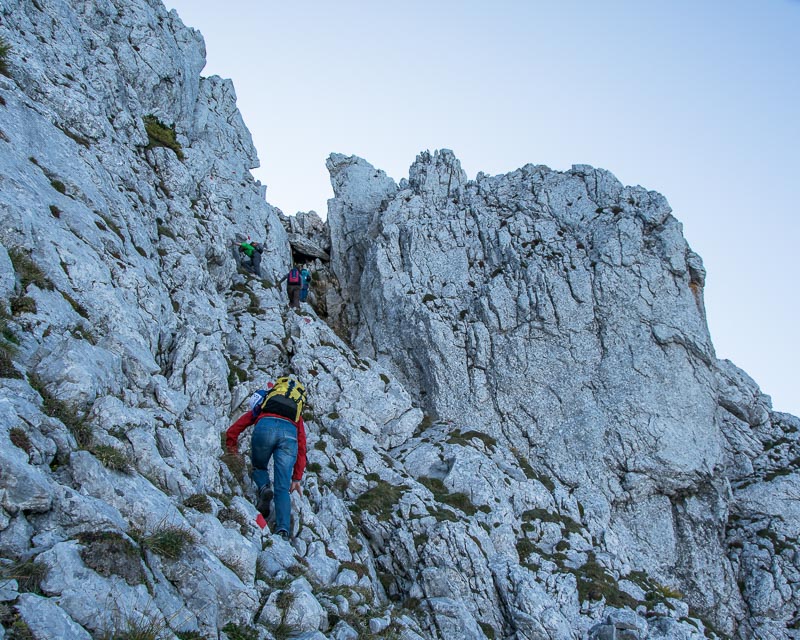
pixel 131 339
pixel 549 492
pixel 562 315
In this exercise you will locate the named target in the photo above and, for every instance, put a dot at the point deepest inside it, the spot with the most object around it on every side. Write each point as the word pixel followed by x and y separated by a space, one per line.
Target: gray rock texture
pixel 560 314
pixel 517 425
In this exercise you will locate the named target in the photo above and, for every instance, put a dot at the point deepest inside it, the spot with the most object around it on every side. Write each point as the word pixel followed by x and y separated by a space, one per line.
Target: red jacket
pixel 235 430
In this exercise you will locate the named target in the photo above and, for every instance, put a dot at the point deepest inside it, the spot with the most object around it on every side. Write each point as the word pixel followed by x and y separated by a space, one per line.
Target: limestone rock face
pixel 516 428
pixel 308 236
pixel 562 314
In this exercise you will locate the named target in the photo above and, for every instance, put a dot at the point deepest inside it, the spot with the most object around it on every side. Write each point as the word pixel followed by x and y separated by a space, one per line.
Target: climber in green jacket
pixel 253 251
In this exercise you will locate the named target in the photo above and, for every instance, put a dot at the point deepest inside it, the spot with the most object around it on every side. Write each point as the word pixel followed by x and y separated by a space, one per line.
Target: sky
pixel 696 99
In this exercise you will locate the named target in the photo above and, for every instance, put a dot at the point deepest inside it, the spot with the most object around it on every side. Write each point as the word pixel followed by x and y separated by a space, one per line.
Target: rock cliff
pixel 518 427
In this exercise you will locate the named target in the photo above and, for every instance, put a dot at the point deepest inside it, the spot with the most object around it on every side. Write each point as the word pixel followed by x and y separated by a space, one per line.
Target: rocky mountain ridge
pixel 518 427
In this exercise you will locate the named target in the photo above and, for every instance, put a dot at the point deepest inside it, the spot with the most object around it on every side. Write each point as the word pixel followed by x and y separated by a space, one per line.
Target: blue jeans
pixel 277 439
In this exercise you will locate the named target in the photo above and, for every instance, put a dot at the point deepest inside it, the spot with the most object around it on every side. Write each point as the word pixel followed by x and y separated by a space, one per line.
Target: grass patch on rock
pixel 161 135
pixel 254 307
pixel 20 439
pixel 147 626
pixel 28 574
pixel 542 515
pixel 232 515
pixel 109 224
pixel 64 411
pixel 7 368
pixel 5 49
pixel 110 553
pixel 595 583
pixel 236 375
pixel 22 304
pixel 112 458
pixel 8 348
pixel 441 494
pixel 232 460
pixel 168 541
pixel 524 548
pixel 165 231
pixel 18 629
pixel 380 500
pixel 76 306
pixel 240 631
pixel 463 439
pixel 198 502
pixel 27 270
pixel 359 569
pixel 235 464
pixel 9 340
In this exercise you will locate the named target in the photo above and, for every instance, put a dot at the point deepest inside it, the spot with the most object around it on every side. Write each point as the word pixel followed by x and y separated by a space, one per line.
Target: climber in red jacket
pixel 279 434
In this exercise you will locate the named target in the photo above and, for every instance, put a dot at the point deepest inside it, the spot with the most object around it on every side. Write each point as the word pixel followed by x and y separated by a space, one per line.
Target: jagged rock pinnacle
pixel 517 424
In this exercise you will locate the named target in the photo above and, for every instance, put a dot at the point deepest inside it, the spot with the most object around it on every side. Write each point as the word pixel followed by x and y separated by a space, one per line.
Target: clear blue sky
pixel 698 100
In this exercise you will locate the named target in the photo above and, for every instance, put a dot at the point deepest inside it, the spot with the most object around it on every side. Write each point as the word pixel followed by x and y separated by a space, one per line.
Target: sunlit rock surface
pixel 517 425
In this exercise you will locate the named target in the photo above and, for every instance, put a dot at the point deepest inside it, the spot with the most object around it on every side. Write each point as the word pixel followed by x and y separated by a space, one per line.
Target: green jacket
pixel 248 249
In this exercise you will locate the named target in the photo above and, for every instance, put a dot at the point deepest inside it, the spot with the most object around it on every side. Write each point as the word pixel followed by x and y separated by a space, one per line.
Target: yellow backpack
pixel 285 399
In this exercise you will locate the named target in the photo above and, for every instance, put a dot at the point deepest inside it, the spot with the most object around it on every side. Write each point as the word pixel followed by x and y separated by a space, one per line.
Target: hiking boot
pixel 264 500
pixel 284 534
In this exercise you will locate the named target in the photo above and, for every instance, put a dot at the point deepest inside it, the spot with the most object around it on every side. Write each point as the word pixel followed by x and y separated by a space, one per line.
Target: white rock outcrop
pixel 517 424
pixel 561 315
